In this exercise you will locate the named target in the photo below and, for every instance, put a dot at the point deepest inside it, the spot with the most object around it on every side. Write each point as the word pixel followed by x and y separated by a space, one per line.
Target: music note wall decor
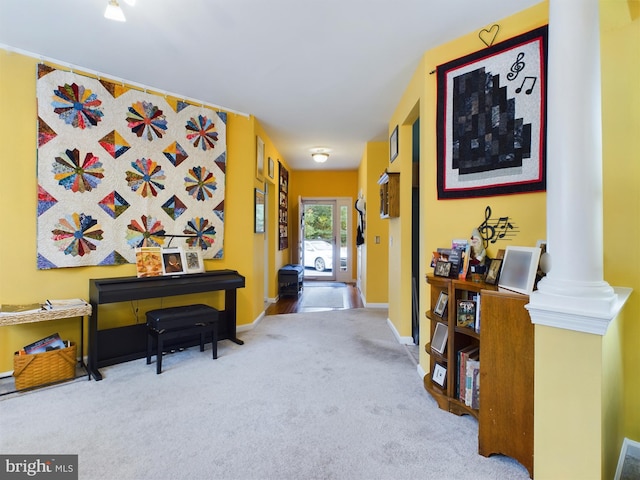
pixel 493 229
pixel 491 123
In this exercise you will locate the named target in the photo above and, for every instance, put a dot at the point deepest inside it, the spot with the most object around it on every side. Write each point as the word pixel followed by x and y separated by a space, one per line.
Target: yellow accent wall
pixel 586 385
pixel 374 253
pixel 21 282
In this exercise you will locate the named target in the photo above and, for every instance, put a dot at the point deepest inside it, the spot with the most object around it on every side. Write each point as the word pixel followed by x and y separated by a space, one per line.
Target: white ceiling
pixel 316 73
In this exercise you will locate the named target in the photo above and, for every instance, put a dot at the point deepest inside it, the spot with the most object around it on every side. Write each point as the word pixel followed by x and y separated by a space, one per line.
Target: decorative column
pixel 574 295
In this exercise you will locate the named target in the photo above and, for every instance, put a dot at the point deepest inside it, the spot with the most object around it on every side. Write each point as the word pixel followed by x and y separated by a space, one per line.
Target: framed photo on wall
pixel 491 119
pixel 259 211
pixel 393 145
pixel 259 159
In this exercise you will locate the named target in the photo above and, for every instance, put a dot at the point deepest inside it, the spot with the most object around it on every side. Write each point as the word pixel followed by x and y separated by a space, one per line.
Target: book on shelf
pixel 470 351
pixel 466 313
pixel 472 386
pixel 13 309
pixel 463 251
pixel 52 342
pixel 476 298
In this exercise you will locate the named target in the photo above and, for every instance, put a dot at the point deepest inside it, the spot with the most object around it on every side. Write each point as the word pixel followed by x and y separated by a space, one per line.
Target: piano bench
pixel 179 322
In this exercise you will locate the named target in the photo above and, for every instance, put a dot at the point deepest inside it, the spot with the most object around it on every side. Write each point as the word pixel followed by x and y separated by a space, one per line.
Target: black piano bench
pixel 178 322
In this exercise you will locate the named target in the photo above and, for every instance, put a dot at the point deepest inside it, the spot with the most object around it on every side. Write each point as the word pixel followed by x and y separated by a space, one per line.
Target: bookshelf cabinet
pixel 389 194
pixel 506 375
pixel 504 346
pixel 459 338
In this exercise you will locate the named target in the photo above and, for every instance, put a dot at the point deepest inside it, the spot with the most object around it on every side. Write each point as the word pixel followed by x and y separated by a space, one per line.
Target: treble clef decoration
pixel 487 232
pixel 493 230
pixel 517 67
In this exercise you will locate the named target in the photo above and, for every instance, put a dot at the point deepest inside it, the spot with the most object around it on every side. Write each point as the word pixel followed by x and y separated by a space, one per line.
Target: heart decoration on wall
pixel 489 36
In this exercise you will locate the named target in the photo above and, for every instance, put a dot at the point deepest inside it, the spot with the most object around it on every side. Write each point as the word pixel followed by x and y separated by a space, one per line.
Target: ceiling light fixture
pixel 320 155
pixel 114 12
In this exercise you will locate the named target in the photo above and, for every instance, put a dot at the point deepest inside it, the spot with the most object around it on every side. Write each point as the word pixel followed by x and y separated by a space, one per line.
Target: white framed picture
pixel 441 306
pixel 193 261
pixel 519 268
pixel 173 261
pixel 439 339
pixel 439 374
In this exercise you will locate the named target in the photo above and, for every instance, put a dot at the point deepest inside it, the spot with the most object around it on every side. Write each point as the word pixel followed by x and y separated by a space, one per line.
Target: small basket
pixel 43 368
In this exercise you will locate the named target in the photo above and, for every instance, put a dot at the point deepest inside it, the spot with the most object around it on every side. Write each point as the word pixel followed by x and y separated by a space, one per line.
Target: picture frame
pixel 481 153
pixel 270 168
pixel 441 305
pixel 439 375
pixel 442 268
pixel 493 272
pixel 259 211
pixel 149 262
pixel 193 261
pixel 173 262
pixel 519 269
pixel 259 159
pixel 439 339
pixel 393 145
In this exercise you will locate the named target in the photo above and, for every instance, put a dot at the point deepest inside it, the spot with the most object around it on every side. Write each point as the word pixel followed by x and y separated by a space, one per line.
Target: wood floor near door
pixel 294 305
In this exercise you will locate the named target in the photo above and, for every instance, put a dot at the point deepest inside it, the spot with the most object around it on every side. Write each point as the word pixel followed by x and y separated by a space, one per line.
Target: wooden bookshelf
pixel 505 343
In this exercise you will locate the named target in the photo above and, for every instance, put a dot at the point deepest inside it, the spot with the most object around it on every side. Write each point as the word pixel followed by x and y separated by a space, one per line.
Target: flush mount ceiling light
pixel 320 155
pixel 114 12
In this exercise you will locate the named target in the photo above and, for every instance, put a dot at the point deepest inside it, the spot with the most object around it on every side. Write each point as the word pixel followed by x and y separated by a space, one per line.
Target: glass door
pixel 319 254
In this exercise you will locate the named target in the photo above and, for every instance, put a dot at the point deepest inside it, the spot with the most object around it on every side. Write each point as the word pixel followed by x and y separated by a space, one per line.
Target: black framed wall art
pixel 283 207
pixel 491 120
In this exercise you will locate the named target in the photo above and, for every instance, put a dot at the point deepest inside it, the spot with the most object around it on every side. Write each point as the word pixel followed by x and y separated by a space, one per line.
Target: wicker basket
pixel 42 368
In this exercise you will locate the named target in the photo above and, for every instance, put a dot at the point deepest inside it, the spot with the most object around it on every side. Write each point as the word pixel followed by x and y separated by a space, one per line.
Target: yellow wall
pixel 620 38
pixel 445 220
pixel 21 282
pixel 320 183
pixel 374 257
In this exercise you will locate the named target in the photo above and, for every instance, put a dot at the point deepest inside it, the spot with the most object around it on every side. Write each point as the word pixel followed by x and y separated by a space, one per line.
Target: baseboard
pixel 252 325
pixel 401 340
pixel 421 372
pixel 629 448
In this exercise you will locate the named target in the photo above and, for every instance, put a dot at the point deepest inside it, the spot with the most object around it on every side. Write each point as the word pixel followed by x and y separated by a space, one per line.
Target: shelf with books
pixel 461 319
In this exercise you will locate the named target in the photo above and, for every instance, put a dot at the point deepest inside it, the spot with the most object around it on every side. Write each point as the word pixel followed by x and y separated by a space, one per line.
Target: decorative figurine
pixel 478 252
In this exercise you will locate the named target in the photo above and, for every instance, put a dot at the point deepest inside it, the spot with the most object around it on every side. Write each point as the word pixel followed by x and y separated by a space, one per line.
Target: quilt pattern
pixel 120 168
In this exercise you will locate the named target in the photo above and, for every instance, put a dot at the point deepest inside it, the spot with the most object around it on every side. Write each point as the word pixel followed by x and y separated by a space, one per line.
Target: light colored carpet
pixel 326 395
pixel 322 297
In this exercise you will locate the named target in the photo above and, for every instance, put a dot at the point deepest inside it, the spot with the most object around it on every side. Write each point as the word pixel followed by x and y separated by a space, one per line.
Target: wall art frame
pixel 259 159
pixel 283 207
pixel 259 211
pixel 491 120
pixel 393 145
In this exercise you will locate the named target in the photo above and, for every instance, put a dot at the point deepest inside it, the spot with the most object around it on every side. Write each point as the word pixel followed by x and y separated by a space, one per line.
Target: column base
pixel 585 308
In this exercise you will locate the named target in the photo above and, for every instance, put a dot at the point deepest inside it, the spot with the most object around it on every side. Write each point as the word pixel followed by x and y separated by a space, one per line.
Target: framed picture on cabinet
pixel 259 159
pixel 439 339
pixel 441 306
pixel 493 273
pixel 519 269
pixel 442 268
pixel 173 261
pixel 439 374
pixel 193 261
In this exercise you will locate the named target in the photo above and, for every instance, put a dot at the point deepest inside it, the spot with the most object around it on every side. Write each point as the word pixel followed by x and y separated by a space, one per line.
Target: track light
pixel 114 12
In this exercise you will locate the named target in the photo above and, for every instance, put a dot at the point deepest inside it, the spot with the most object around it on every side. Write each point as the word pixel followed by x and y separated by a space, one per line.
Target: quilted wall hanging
pixel 491 119
pixel 120 168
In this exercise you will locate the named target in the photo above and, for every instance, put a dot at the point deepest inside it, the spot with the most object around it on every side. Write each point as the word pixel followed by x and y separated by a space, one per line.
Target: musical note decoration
pixel 529 81
pixel 493 229
pixel 517 67
pixel 488 36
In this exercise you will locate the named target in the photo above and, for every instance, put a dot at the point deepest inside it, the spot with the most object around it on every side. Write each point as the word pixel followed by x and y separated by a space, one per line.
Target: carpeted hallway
pixel 320 395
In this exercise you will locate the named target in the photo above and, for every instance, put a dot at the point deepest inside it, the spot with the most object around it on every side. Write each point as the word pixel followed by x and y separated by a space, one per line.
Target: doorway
pixel 325 238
